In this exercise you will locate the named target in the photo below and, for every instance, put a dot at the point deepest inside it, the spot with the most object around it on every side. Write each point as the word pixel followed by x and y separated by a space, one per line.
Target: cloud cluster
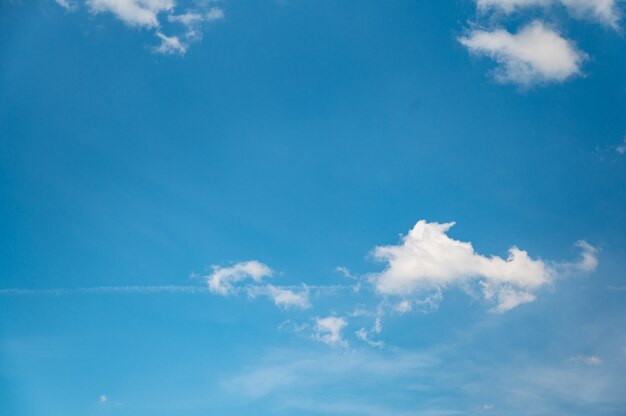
pixel 227 281
pixel 152 14
pixel 427 258
pixel 535 54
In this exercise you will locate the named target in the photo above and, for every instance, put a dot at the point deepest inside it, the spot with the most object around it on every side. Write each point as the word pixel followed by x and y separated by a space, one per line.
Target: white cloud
pixel 170 45
pixel 142 13
pixel 534 55
pixel 428 259
pixel 604 11
pixel 103 398
pixel 215 13
pixel 585 359
pixel 222 280
pixel 366 335
pixel 66 4
pixel 287 298
pixel 329 329
pixel 621 148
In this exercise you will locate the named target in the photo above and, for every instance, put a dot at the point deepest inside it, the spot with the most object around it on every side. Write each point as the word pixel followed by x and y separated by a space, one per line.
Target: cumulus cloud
pixel 141 13
pixel 534 55
pixel 604 11
pixel 223 279
pixel 621 148
pixel 428 259
pixel 329 330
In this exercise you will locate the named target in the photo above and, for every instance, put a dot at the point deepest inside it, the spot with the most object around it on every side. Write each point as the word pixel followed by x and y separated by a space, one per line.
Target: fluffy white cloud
pixel 143 13
pixel 605 11
pixel 222 280
pixel 534 55
pixel 329 329
pixel 428 259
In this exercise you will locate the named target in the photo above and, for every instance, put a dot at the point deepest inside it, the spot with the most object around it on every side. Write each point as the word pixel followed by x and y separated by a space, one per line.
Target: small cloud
pixel 366 336
pixel 103 398
pixel 534 55
pixel 66 4
pixel 287 298
pixel 223 279
pixel 170 45
pixel 488 406
pixel 621 148
pixel 215 13
pixel 139 13
pixel 328 330
pixel 403 307
pixel 585 359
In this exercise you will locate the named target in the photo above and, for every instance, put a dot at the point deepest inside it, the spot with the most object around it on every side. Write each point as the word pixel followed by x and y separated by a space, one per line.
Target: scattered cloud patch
pixel 428 259
pixel 66 4
pixel 603 11
pixel 585 359
pixel 366 335
pixel 621 148
pixel 170 45
pixel 534 55
pixel 329 331
pixel 139 13
pixel 223 279
pixel 159 16
pixel 215 13
pixel 103 398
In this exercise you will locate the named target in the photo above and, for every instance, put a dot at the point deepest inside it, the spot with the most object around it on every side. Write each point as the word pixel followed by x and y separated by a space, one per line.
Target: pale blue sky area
pixel 244 207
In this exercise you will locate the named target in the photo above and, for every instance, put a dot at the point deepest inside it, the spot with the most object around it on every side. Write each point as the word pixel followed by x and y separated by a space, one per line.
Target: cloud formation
pixel 328 330
pixel 534 55
pixel 428 259
pixel 227 281
pixel 222 280
pixel 154 15
pixel 141 13
pixel 604 11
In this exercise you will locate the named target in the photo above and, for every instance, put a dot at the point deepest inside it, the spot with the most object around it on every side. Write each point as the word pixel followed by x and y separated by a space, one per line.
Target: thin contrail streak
pixel 105 290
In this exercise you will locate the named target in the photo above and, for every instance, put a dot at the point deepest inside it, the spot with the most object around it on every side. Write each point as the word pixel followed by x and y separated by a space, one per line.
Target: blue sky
pixel 316 208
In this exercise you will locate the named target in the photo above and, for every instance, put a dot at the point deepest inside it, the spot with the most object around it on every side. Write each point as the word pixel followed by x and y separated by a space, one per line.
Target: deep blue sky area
pixel 302 135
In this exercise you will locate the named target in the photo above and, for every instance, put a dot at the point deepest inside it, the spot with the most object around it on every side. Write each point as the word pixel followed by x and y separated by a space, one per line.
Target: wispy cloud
pixel 104 290
pixel 155 15
pixel 586 359
pixel 603 11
